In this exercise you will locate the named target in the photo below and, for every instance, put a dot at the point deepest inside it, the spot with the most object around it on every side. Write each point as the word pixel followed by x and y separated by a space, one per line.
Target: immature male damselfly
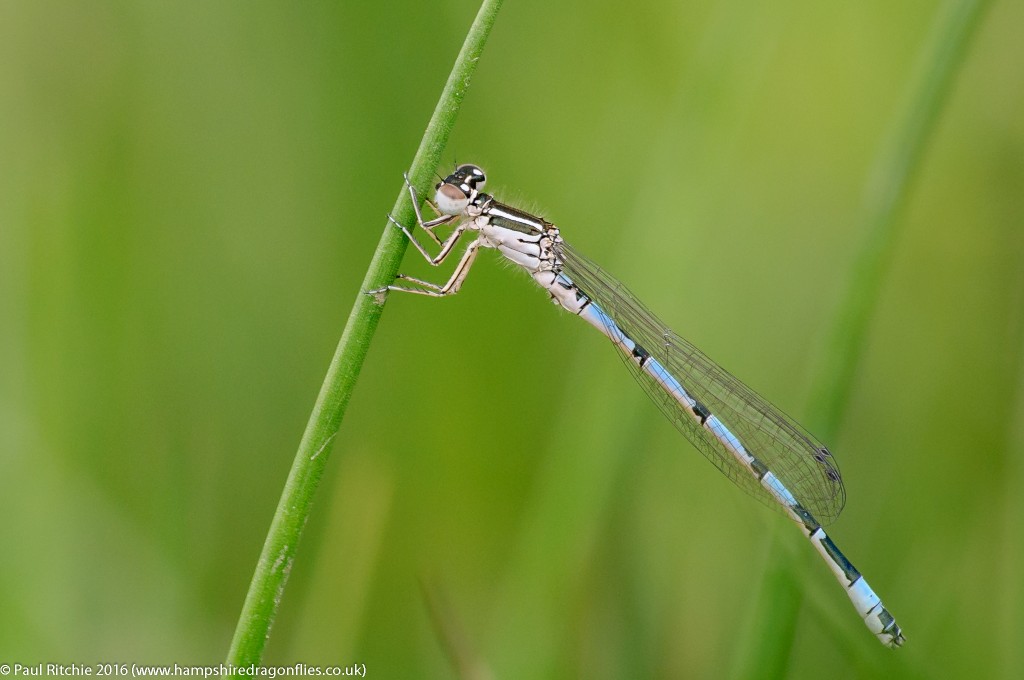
pixel 761 449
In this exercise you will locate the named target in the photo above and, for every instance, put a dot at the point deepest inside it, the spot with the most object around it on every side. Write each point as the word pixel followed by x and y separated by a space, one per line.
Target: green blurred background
pixel 190 194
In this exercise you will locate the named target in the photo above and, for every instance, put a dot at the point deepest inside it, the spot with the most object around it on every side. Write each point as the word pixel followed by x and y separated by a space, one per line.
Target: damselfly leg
pixel 447 246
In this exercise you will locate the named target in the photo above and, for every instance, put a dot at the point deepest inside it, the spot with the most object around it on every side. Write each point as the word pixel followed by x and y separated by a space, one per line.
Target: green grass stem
pixel 293 509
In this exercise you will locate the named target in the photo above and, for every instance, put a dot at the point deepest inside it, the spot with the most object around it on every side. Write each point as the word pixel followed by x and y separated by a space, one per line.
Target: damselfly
pixel 761 449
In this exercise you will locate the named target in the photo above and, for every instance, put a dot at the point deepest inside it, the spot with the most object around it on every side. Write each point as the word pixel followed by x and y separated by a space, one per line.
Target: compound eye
pixel 451 199
pixel 473 175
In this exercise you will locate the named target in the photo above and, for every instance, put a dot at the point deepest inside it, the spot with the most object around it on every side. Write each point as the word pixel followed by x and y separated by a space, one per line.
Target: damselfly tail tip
pixel 893 638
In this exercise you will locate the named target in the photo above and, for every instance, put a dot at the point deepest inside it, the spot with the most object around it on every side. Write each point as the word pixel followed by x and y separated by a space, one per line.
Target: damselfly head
pixel 456 191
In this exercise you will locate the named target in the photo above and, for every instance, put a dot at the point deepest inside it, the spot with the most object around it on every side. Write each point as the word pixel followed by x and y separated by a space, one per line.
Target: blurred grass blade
pixel 889 186
pixel 774 627
pixel 1010 622
pixel 279 550
pixel 451 635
